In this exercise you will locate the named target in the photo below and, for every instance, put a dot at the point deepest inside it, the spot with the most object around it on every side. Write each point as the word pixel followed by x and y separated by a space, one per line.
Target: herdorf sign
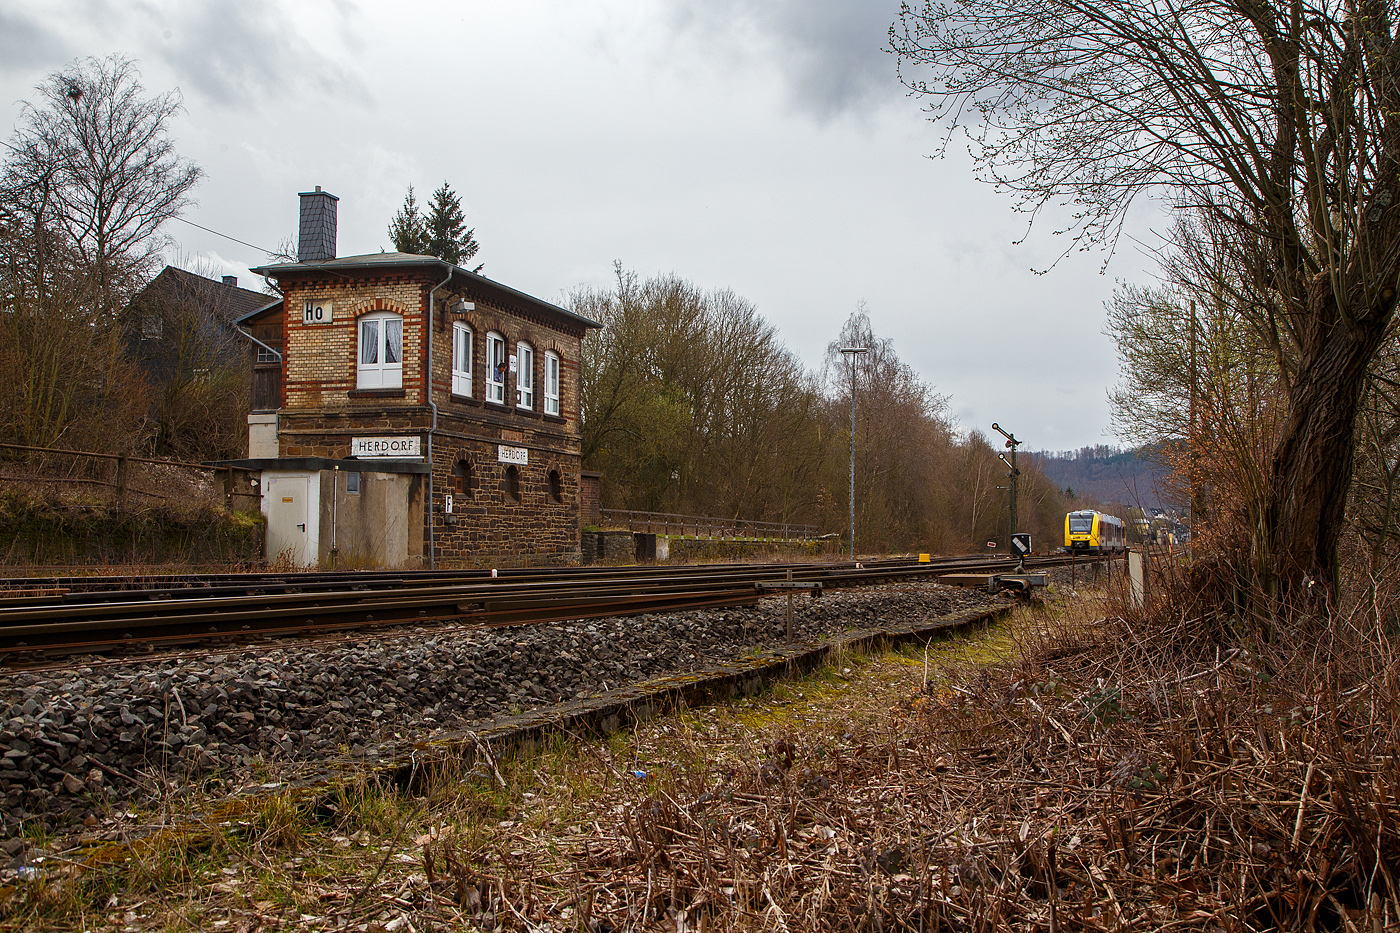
pixel 397 448
pixel 520 455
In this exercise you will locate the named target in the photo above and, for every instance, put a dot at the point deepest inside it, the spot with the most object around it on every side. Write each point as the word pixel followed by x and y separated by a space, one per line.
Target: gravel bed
pixel 78 743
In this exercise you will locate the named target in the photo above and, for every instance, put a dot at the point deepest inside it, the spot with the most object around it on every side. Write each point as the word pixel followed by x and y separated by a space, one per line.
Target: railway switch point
pixel 1021 584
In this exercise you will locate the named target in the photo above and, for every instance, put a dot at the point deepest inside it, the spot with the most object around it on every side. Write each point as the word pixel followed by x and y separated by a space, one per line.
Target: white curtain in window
pixel 381 352
pixel 369 342
pixel 393 340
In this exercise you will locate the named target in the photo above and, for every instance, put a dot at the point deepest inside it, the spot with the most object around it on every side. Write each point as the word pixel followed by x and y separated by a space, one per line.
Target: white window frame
pixel 495 371
pixel 524 375
pixel 378 373
pixel 462 358
pixel 551 383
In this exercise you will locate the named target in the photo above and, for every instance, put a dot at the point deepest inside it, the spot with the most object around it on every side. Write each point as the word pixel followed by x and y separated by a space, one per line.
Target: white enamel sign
pixel 316 312
pixel 393 447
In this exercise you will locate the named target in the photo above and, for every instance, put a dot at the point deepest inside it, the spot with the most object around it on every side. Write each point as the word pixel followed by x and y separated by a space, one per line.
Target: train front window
pixel 1081 524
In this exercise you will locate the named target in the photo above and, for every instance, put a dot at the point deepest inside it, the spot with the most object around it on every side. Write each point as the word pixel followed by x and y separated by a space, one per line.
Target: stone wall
pixel 702 549
pixel 622 547
pixel 535 517
pixel 590 498
pixel 613 547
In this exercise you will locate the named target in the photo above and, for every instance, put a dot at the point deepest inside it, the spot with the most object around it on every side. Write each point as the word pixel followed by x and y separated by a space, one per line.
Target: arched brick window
pixel 496 368
pixel 380 360
pixel 524 375
pixel 512 484
pixel 462 478
pixel 461 359
pixel 551 383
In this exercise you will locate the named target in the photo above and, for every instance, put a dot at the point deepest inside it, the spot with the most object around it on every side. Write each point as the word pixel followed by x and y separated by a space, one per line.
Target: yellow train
pixel 1090 532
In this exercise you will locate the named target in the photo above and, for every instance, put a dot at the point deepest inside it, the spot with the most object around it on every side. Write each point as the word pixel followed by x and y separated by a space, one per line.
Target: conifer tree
pixel 408 231
pixel 441 231
pixel 448 236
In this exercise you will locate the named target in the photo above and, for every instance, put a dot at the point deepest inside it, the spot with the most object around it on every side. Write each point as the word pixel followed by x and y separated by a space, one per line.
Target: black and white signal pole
pixel 1014 476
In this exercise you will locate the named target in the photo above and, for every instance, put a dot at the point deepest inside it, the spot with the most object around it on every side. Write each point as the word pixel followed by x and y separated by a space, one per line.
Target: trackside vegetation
pixel 1080 766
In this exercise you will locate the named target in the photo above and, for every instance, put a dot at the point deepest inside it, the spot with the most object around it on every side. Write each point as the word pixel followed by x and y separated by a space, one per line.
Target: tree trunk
pixel 1312 461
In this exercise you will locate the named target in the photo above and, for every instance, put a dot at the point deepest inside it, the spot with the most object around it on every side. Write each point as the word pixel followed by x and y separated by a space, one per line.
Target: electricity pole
pixel 851 353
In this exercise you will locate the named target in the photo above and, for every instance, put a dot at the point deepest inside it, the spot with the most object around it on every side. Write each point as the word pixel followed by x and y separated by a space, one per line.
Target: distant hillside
pixel 1107 474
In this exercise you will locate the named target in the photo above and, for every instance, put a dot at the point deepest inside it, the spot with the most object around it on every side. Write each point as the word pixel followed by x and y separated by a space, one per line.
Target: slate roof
pixel 408 260
pixel 226 303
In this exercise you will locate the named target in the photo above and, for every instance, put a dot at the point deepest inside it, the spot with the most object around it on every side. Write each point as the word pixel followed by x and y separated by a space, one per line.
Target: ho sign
pixel 316 312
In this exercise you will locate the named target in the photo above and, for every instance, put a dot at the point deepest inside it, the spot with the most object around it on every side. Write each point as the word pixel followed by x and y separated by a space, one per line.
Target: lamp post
pixel 851 355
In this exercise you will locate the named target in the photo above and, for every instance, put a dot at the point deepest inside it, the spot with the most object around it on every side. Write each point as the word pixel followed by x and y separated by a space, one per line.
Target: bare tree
pixel 62 379
pixel 1274 122
pixel 100 149
pixel 903 441
pixel 89 178
pixel 692 404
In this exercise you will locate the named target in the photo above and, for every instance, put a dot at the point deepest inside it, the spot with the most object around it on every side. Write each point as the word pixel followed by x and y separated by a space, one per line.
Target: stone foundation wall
pixel 729 549
pixel 622 547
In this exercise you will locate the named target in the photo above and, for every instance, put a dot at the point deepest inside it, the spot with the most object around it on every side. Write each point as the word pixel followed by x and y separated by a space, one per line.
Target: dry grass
pixel 1060 772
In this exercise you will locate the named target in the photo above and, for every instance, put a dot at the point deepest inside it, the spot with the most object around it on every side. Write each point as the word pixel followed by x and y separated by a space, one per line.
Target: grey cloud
pixel 234 53
pixel 242 53
pixel 25 42
pixel 832 52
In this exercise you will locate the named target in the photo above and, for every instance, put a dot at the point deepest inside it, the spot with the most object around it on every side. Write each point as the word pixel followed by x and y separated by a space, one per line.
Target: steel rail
pixel 23 643
pixel 85 590
pixel 48 628
pixel 33 610
pixel 34 598
pixel 314 578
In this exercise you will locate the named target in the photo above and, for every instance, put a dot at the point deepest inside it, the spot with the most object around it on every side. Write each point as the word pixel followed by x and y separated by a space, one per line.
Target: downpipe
pixel 428 383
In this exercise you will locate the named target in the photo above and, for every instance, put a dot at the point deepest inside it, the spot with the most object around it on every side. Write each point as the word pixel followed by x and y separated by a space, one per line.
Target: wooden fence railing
pixel 79 470
pixel 666 523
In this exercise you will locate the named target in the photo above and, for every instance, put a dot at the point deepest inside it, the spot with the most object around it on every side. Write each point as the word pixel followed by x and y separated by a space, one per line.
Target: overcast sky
pixel 765 147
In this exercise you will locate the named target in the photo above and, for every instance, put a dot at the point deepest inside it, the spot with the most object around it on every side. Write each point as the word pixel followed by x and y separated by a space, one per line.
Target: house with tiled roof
pixel 178 297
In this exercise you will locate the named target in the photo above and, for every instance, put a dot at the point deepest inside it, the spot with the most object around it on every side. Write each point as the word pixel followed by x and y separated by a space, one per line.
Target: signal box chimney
pixel 316 231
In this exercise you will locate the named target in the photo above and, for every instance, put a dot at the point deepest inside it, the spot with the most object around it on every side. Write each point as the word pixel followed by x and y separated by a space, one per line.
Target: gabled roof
pixel 461 276
pixel 256 312
pixel 227 303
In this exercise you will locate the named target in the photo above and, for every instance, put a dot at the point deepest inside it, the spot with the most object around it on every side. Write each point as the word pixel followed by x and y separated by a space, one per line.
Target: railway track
pixel 50 617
